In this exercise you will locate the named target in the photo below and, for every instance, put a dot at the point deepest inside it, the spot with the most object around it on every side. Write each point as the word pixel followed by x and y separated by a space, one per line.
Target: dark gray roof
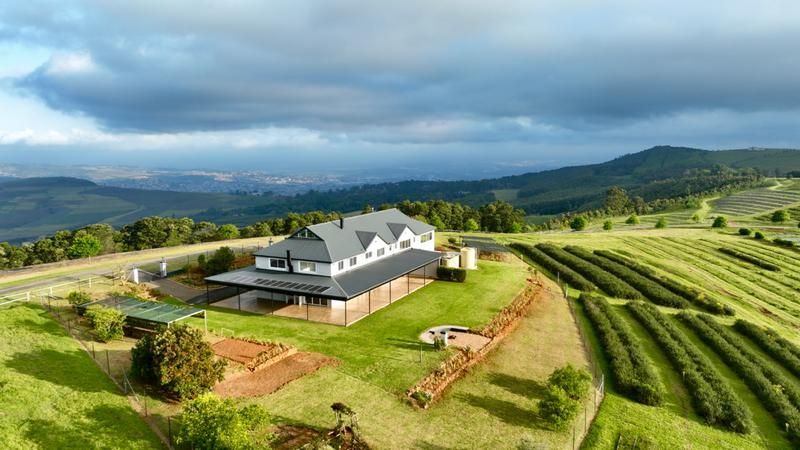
pixel 345 286
pixel 337 243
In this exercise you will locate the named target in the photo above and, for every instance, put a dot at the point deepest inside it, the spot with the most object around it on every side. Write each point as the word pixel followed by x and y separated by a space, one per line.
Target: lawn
pixel 52 393
pixel 492 407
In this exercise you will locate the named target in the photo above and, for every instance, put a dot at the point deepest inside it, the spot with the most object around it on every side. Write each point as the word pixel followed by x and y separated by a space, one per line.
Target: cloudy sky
pixel 470 87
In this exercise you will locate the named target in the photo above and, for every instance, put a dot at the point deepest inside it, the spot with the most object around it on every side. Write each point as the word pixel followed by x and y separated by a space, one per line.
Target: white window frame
pixel 307 266
pixel 405 244
pixel 426 237
pixel 381 252
pixel 353 261
pixel 368 255
pixel 341 265
pixel 277 264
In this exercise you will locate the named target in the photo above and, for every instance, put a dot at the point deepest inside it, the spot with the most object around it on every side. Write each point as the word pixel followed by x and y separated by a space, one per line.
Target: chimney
pixel 289 261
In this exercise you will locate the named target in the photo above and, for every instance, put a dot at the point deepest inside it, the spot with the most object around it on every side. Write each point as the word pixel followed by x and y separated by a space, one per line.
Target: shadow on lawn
pixel 60 368
pixel 104 426
pixel 504 410
pixel 516 385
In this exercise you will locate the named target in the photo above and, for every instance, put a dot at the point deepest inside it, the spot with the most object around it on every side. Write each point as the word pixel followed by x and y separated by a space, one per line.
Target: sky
pixel 459 88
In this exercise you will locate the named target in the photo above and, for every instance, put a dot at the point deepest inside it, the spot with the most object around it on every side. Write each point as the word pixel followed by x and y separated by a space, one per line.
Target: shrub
pixel 783 242
pixel 78 297
pixel 759 236
pixel 712 397
pixel 779 395
pixel 107 323
pixel 633 220
pixel 209 422
pixel 556 408
pixel 573 278
pixel 745 231
pixel 750 259
pixel 696 218
pixel 693 295
pixel 780 216
pixel 456 274
pixel 220 261
pixel 573 381
pixel 632 370
pixel 178 360
pixel 720 222
pixel 610 284
pixel 661 223
pixel 579 223
pixel 453 240
pixel 423 398
pixel 775 346
pixel 652 290
pixel 608 225
pixel 439 343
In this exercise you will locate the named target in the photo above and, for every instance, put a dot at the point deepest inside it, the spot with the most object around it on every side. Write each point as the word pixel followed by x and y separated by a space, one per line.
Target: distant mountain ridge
pixel 34 207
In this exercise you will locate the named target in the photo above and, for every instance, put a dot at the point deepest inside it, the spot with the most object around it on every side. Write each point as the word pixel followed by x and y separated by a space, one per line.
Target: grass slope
pixel 53 394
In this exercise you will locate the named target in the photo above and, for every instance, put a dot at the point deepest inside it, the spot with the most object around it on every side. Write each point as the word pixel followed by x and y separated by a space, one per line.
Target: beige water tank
pixel 451 259
pixel 469 258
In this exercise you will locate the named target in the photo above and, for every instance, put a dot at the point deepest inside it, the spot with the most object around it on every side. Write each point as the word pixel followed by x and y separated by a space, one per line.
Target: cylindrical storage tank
pixel 469 258
pixel 451 260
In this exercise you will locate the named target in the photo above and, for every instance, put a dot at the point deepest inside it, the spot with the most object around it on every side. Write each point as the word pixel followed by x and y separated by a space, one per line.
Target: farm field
pixel 53 394
pixel 691 257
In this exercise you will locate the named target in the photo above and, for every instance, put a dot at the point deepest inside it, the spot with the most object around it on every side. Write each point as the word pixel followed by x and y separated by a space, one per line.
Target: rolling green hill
pixel 33 207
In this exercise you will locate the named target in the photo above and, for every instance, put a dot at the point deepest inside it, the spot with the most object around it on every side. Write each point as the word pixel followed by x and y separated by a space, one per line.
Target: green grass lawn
pixel 54 396
pixel 383 348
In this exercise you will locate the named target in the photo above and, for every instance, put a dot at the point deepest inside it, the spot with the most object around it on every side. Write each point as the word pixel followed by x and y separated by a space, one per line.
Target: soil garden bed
pixel 269 379
pixel 250 353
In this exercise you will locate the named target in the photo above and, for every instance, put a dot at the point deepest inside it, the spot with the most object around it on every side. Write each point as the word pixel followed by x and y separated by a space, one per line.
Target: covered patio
pixel 345 300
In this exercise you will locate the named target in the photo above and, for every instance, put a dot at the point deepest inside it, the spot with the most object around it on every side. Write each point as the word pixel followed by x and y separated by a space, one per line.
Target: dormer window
pixel 277 263
pixel 305 233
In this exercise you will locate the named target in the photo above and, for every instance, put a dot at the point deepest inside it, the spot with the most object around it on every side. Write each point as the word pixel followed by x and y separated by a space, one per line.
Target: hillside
pixel 34 207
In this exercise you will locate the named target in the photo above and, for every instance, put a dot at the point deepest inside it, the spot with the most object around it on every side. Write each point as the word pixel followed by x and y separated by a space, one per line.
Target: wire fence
pixel 580 427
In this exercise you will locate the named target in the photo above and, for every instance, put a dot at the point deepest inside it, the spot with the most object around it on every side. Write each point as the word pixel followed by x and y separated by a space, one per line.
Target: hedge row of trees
pixel 663 196
pixel 573 278
pixel 750 259
pixel 775 346
pixel 633 373
pixel 712 397
pixel 650 289
pixel 610 284
pixel 696 297
pixel 156 232
pixel 779 395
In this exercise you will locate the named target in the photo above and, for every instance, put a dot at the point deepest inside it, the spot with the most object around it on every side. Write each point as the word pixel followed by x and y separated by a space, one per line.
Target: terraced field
pixel 756 201
pixel 691 259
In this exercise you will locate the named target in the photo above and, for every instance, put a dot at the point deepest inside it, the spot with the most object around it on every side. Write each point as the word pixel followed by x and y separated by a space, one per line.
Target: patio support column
pixel 369 302
pixel 239 297
pixel 424 274
pixel 408 283
pixel 306 302
pixel 390 292
pixel 345 312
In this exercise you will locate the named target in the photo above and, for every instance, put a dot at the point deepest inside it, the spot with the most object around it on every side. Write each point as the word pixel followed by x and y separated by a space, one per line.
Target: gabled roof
pixel 341 242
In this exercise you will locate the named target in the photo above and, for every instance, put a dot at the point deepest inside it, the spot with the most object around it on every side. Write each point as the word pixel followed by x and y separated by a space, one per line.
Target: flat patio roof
pixel 156 312
pixel 342 287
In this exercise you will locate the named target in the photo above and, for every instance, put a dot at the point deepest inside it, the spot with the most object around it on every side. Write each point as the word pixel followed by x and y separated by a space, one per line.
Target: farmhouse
pixel 339 271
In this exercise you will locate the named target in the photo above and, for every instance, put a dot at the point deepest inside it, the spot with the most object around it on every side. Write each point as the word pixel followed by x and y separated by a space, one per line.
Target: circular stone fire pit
pixel 457 336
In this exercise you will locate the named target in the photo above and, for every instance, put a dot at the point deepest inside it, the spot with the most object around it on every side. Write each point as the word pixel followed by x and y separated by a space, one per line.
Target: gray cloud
pixel 416 71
